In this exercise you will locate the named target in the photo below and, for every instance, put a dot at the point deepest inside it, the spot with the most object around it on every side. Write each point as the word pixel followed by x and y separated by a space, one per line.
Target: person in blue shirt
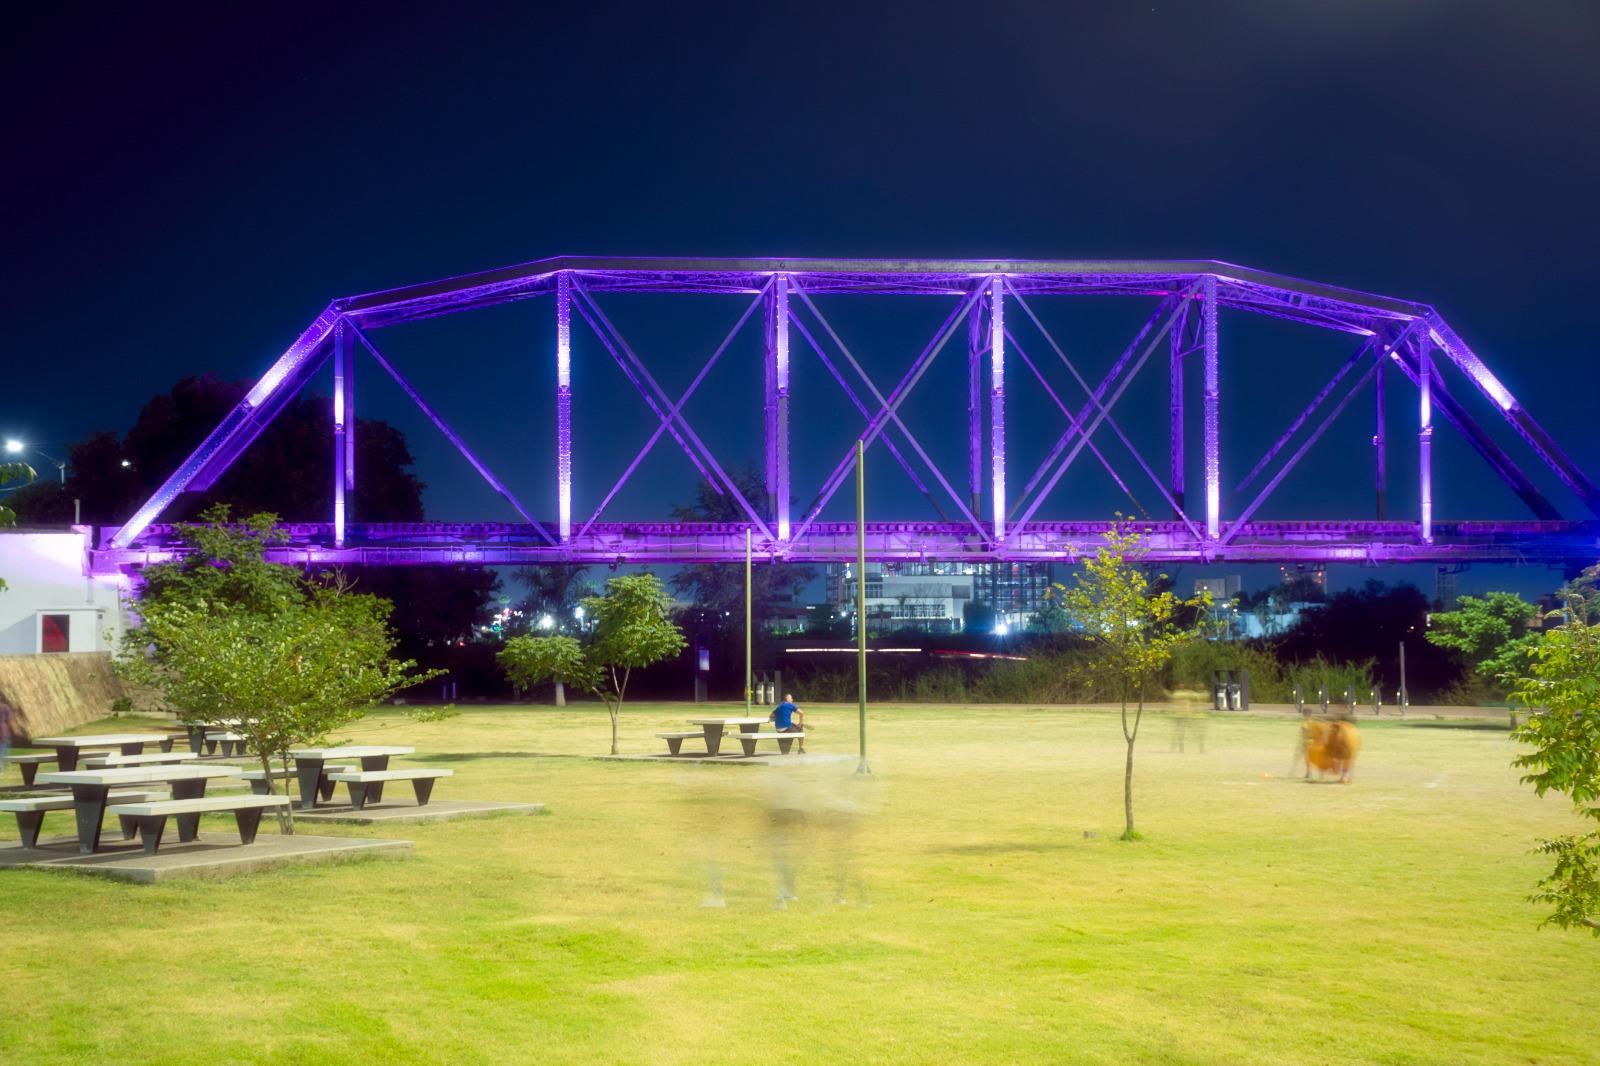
pixel 787 718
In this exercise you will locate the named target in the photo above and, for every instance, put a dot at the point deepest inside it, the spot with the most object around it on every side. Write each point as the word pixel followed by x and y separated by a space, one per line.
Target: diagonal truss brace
pixel 1104 411
pixel 656 396
pixel 893 411
pixel 666 420
pixel 875 425
pixel 1261 497
pixel 242 425
pixel 1165 314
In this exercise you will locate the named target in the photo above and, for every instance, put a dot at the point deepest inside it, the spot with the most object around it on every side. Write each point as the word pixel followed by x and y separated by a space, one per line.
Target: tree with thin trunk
pixel 227 638
pixel 632 628
pixel 1561 689
pixel 1133 629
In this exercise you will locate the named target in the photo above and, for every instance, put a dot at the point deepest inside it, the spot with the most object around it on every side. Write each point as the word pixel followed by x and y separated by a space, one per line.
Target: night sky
pixel 186 193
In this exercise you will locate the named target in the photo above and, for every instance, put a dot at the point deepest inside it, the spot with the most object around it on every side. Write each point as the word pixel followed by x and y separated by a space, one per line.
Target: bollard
pixel 1322 692
pixel 1299 700
pixel 1377 702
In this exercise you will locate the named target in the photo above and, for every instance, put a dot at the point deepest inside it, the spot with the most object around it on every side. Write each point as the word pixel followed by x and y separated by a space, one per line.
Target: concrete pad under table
pixel 402 813
pixel 773 759
pixel 211 859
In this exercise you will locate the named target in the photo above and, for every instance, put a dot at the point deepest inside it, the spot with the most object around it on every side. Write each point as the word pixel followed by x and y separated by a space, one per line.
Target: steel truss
pixel 992 308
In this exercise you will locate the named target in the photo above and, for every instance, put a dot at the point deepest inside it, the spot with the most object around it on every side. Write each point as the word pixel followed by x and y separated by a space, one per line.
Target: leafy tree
pixel 632 629
pixel 1490 633
pixel 1367 625
pixel 1132 629
pixel 12 472
pixel 1562 687
pixel 272 475
pixel 225 634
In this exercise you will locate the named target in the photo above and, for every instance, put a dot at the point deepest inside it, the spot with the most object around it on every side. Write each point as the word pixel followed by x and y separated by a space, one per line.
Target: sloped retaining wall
pixel 53 693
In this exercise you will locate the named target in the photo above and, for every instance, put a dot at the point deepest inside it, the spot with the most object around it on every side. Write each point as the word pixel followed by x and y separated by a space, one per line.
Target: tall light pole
pixel 861 603
pixel 748 676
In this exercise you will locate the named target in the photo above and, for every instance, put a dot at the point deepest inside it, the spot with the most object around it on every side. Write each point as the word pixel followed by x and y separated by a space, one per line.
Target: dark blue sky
pixel 186 192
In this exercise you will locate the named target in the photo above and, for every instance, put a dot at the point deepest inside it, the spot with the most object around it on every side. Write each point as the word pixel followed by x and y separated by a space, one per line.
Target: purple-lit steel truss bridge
pixel 997 514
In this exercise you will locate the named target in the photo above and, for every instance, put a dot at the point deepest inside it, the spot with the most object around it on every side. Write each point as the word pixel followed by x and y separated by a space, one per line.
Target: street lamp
pixel 17 447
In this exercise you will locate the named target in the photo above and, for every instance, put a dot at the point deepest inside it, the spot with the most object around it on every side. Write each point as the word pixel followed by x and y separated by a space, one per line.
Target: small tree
pixel 225 634
pixel 1134 630
pixel 632 629
pixel 1489 633
pixel 1562 688
pixel 12 472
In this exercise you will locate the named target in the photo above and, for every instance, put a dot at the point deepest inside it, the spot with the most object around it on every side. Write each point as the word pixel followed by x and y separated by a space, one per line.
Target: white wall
pixel 44 573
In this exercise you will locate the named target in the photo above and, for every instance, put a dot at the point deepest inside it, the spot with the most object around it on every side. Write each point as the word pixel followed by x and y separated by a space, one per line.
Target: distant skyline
pixel 194 190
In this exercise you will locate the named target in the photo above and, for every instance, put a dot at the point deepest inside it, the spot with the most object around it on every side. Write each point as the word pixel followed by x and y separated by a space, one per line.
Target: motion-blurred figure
pixel 1328 747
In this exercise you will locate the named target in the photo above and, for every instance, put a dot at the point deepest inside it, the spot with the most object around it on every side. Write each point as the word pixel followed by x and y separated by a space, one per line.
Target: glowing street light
pixel 14 446
pixel 546 622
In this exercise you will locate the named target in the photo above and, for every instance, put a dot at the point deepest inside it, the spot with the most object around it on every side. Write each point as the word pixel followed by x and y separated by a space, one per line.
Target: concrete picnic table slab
pixel 714 728
pixel 90 787
pixel 308 766
pixel 67 748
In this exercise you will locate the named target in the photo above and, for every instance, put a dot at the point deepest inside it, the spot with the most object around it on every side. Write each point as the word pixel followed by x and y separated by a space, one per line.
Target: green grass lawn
pixel 991 914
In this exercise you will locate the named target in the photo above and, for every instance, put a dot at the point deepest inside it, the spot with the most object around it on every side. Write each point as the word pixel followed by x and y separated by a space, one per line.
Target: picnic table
pixel 715 727
pixel 308 766
pixel 67 748
pixel 89 789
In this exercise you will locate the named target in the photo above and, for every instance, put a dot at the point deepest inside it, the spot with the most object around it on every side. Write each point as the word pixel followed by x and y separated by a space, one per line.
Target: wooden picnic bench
pixel 363 784
pixel 150 818
pixel 30 811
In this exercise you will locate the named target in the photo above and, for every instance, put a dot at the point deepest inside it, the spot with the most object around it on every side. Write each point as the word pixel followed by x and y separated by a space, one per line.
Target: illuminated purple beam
pixel 1050 392
pixel 451 435
pixel 876 424
pixel 997 403
pixel 1212 403
pixel 1261 497
pixel 1175 409
pixel 1485 445
pixel 1425 434
pixel 1531 431
pixel 1166 314
pixel 778 431
pixel 975 350
pixel 341 345
pixel 1165 308
pixel 1310 409
pixel 564 404
pixel 866 413
pixel 241 426
pixel 893 412
pixel 657 396
pixel 491 544
pixel 1111 421
pixel 665 423
pixel 1380 437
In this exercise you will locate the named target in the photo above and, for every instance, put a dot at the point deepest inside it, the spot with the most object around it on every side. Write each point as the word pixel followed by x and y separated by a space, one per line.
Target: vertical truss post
pixel 341 350
pixel 777 407
pixel 564 402
pixel 997 403
pixel 1176 361
pixel 1425 436
pixel 1213 395
pixel 975 407
pixel 1380 433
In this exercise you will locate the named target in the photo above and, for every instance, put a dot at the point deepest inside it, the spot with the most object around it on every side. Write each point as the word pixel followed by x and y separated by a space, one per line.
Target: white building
pixel 927 596
pixel 50 604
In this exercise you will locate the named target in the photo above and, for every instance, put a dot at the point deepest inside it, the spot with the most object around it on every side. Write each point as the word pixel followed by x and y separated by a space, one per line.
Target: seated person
pixel 787 718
